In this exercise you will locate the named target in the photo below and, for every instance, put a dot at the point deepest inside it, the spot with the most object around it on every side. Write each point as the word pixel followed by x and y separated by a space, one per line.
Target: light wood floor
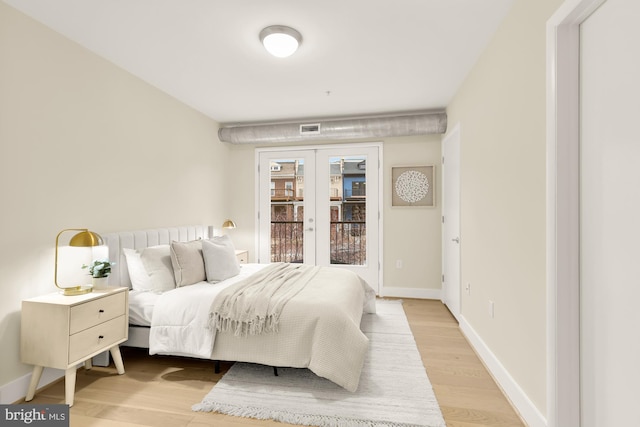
pixel 158 391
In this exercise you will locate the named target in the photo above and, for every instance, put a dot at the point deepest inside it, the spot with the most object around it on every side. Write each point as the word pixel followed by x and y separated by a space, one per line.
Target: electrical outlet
pixel 398 264
pixel 491 309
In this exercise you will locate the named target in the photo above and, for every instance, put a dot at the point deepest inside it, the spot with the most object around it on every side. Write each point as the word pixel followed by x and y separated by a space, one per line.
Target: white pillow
pixel 220 260
pixel 187 262
pixel 156 273
pixel 140 280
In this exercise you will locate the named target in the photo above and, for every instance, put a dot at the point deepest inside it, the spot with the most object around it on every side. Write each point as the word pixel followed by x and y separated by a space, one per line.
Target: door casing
pixel 563 211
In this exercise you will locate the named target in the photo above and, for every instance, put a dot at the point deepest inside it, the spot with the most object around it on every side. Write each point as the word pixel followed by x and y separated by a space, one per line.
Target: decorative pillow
pixel 220 260
pixel 157 263
pixel 187 262
pixel 156 272
pixel 140 280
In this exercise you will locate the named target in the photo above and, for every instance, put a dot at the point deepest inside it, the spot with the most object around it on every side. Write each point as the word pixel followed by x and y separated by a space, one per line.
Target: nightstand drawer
pixel 97 339
pixel 242 255
pixel 98 311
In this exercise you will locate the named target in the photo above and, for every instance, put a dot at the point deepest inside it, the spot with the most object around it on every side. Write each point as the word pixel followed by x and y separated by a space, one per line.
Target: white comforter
pixel 319 327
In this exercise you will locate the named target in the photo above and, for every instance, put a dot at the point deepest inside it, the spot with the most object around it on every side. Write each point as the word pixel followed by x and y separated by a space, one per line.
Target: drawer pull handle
pixel 101 311
pixel 101 337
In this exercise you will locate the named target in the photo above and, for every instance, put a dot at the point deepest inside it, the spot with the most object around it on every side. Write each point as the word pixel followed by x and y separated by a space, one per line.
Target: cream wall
pixel 501 108
pixel 412 234
pixel 409 234
pixel 85 144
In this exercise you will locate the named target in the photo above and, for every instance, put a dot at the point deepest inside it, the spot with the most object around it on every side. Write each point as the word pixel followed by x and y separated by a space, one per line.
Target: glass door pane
pixel 286 183
pixel 287 210
pixel 348 207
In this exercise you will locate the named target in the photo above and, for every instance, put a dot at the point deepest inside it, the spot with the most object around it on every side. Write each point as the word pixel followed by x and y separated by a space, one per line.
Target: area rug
pixel 394 389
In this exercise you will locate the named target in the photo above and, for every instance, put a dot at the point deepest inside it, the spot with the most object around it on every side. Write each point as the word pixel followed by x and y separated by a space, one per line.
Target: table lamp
pixel 84 238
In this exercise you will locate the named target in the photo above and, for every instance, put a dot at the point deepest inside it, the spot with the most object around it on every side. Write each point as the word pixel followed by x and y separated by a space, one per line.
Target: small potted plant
pixel 99 270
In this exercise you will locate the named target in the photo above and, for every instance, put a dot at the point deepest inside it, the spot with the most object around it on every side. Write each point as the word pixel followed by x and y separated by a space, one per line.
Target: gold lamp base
pixel 77 290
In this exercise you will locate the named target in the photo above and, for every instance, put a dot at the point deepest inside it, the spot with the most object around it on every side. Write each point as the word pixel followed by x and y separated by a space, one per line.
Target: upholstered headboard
pixel 143 239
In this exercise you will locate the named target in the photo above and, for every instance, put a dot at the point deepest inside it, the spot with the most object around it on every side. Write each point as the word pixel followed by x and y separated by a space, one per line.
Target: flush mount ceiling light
pixel 280 41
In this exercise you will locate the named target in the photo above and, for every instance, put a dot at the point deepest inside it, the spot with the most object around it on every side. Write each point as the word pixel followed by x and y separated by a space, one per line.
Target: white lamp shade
pixel 280 41
pixel 70 271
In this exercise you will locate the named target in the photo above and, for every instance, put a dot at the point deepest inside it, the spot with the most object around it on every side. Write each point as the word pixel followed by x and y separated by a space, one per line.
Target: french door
pixel 321 206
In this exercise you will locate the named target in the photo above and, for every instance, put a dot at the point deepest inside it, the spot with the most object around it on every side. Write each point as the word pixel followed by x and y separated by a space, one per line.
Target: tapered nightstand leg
pixel 88 364
pixel 117 359
pixel 69 385
pixel 33 384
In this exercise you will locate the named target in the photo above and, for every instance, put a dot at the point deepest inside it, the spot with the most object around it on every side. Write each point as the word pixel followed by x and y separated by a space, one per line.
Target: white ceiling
pixel 358 57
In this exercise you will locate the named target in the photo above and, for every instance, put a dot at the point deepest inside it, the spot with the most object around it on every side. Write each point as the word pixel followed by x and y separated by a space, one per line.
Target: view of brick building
pixel 347 194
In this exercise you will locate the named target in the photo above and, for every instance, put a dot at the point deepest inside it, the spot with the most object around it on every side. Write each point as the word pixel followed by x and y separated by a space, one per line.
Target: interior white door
pixel 451 285
pixel 320 206
pixel 609 212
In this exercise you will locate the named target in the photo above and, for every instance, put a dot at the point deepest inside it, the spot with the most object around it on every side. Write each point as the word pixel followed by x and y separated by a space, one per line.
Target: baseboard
pixel 419 293
pixel 527 410
pixel 17 389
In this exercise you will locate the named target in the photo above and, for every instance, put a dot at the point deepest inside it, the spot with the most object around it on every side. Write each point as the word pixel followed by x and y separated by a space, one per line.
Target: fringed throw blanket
pixel 253 306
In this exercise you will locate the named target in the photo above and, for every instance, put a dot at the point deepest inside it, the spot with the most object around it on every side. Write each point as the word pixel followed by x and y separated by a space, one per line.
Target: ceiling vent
pixel 313 129
pixel 355 128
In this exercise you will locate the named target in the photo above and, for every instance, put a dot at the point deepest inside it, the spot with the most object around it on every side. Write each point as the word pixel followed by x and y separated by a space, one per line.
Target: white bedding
pixel 179 325
pixel 141 304
pixel 319 327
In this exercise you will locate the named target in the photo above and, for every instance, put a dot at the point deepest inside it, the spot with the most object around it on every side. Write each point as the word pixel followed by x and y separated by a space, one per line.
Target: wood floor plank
pixel 160 390
pixel 477 417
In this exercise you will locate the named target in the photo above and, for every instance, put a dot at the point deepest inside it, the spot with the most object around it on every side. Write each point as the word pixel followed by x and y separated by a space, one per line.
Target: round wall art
pixel 412 186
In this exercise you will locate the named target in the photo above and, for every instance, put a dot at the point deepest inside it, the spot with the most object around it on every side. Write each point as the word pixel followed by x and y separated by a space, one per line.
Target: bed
pixel 318 326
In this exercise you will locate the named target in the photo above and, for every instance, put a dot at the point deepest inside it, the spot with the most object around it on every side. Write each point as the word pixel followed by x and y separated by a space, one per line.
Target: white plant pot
pixel 99 282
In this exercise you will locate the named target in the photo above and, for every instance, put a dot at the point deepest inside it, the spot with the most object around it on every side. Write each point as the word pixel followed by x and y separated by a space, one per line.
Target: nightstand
pixel 61 332
pixel 242 255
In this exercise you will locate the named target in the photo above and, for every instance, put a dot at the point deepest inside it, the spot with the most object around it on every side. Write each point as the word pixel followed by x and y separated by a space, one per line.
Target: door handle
pixel 456 239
